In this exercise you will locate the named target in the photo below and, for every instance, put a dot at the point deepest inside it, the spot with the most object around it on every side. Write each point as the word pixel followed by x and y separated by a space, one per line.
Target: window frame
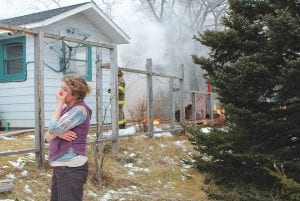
pixel 88 75
pixel 4 77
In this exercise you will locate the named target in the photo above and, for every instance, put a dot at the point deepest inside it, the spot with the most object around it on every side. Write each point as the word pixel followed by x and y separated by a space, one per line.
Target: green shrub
pixel 291 187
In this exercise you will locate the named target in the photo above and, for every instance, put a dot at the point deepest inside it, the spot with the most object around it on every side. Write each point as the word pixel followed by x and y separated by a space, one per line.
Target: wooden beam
pixel 110 137
pixel 211 109
pixel 14 133
pixel 39 98
pixel 23 151
pixel 182 96
pixel 199 92
pixel 131 70
pixel 194 116
pixel 167 76
pixel 17 29
pixel 53 36
pixel 6 186
pixel 114 100
pixel 74 40
pixel 149 97
pixel 99 100
pixel 172 101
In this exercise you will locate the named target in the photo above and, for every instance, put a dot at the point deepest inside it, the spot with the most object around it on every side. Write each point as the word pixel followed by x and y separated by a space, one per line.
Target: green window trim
pixel 4 76
pixel 88 72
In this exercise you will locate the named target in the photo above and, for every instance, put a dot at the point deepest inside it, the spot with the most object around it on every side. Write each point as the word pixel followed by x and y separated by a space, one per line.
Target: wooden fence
pixel 39 130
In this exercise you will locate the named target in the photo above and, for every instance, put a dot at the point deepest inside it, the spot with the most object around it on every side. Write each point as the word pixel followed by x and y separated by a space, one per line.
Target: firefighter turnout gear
pixel 121 99
pixel 121 102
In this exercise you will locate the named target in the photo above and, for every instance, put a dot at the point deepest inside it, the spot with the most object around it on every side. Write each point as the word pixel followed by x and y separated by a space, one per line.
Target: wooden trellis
pixel 39 36
pixel 39 130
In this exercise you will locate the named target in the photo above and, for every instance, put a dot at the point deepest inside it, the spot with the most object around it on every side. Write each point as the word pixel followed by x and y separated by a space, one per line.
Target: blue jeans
pixel 68 182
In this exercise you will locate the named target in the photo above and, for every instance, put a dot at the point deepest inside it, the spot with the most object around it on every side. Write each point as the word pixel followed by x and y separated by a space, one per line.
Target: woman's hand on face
pixel 68 136
pixel 61 97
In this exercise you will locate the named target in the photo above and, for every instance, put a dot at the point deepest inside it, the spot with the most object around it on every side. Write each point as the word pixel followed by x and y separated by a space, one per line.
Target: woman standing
pixel 67 135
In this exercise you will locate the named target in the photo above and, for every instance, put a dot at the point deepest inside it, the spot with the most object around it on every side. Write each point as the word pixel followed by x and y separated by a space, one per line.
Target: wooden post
pixel 99 100
pixel 98 147
pixel 6 186
pixel 39 98
pixel 172 101
pixel 182 96
pixel 194 107
pixel 150 97
pixel 114 102
pixel 212 108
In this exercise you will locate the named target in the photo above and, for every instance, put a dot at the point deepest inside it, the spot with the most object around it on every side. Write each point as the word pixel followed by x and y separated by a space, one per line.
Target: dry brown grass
pixel 145 169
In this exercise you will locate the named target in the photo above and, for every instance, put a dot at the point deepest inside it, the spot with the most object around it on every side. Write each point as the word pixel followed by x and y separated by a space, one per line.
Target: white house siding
pixel 52 78
pixel 106 85
pixel 17 98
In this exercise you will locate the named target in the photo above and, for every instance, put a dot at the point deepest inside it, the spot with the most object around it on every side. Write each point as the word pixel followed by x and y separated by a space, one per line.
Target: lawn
pixel 145 169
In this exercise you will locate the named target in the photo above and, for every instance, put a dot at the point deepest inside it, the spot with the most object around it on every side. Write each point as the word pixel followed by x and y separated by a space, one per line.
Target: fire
pixel 156 121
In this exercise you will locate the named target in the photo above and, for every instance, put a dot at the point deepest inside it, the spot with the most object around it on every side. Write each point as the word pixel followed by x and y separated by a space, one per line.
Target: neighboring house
pixel 84 21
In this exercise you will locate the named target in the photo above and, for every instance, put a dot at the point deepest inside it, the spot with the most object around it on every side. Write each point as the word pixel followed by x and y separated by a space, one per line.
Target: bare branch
pixel 162 4
pixel 57 3
pixel 150 4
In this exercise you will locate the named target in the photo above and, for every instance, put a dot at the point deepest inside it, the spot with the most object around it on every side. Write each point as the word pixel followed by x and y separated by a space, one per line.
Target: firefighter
pixel 121 101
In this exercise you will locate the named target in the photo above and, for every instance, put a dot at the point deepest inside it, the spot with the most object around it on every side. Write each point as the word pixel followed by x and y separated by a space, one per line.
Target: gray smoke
pixel 168 45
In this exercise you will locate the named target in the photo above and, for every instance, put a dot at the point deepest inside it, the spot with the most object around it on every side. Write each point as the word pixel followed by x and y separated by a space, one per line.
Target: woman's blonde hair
pixel 78 85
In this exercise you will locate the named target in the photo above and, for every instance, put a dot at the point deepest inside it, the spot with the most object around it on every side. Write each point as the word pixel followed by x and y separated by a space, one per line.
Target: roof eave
pixel 123 37
pixel 119 36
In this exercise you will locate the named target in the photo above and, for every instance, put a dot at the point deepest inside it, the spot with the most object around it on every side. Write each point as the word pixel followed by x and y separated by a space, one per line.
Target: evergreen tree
pixel 255 66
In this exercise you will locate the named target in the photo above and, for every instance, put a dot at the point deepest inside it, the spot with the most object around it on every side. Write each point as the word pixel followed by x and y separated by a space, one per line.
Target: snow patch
pixel 179 143
pixel 163 134
pixel 11 176
pixel 91 194
pixel 19 164
pixel 108 195
pixel 24 173
pixel 206 129
pixel 27 190
pixel 7 138
pixel 30 137
pixel 136 169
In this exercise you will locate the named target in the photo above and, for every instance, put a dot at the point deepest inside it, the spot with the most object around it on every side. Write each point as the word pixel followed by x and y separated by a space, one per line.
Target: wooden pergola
pixel 39 130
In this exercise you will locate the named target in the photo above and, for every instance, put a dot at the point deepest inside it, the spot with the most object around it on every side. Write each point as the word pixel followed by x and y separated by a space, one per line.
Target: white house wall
pixel 83 24
pixel 52 78
pixel 17 98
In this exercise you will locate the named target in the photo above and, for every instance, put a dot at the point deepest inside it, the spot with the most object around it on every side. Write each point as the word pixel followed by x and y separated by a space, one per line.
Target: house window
pixel 12 59
pixel 78 60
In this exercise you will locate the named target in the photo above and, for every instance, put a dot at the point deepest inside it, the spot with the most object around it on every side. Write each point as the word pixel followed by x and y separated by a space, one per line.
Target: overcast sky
pixel 11 8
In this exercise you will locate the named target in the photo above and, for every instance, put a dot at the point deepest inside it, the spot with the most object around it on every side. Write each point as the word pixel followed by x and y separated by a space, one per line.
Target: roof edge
pixel 79 9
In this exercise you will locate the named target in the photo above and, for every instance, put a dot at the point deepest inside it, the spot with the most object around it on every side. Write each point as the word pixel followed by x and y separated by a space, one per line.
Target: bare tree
pixel 196 12
pixel 56 2
pixel 157 8
pixel 109 4
pixel 137 111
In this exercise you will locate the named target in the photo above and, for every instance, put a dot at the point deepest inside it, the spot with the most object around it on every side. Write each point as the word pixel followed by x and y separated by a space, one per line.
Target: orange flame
pixel 155 121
